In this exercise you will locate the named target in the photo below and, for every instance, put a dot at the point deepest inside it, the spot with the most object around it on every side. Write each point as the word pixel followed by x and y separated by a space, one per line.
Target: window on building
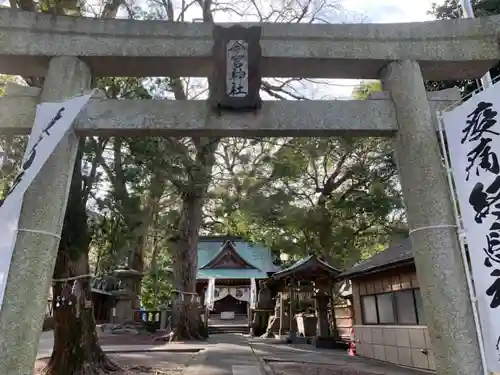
pixel 385 306
pixel 405 307
pixel 402 307
pixel 369 310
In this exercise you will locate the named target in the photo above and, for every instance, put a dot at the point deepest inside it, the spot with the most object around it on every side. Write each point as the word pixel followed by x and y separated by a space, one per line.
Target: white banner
pixel 52 122
pixel 210 295
pixel 253 294
pixel 473 137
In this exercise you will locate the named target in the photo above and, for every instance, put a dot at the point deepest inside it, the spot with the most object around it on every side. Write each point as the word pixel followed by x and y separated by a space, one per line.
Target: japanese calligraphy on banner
pixel 52 122
pixel 237 69
pixel 473 137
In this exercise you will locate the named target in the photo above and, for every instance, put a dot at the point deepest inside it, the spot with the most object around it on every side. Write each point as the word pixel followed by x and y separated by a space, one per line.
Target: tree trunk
pixel 76 349
pixel 186 313
pixel 141 229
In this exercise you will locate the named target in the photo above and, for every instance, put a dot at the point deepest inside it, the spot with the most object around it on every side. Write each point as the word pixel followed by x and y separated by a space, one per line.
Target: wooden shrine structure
pixel 302 295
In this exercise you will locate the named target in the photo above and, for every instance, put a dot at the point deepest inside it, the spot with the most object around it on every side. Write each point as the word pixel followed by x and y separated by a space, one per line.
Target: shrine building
pixel 389 323
pixel 233 263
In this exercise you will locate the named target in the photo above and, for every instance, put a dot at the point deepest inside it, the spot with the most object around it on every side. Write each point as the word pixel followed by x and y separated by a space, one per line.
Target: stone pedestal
pixel 261 318
pixel 163 318
pixel 129 280
pixel 44 206
pixel 434 238
pixel 125 312
pixel 324 338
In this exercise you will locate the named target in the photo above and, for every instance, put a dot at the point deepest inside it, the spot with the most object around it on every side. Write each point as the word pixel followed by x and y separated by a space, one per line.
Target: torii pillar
pixel 43 209
pixel 433 233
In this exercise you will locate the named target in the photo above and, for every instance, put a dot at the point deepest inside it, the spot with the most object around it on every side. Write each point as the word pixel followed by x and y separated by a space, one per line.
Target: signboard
pixel 235 84
pixel 473 137
pixel 52 122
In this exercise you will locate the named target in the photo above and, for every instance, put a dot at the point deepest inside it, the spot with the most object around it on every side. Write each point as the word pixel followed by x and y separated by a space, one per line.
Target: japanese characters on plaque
pixel 473 136
pixel 237 69
pixel 236 78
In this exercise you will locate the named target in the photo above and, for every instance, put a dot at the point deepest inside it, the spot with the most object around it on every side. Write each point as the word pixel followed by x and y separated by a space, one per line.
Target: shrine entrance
pixel 231 300
pixel 230 304
pixel 236 58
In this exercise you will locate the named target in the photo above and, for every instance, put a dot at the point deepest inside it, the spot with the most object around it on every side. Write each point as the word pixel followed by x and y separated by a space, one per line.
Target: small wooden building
pixel 310 281
pixel 389 322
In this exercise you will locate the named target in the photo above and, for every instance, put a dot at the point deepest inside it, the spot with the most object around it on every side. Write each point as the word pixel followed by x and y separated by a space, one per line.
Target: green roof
pixel 225 273
pixel 255 254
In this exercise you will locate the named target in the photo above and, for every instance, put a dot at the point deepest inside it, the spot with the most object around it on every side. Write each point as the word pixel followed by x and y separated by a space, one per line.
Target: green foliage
pixel 329 196
pixel 11 154
pixel 156 287
pixel 338 198
pixel 11 149
pixel 365 88
pixel 109 245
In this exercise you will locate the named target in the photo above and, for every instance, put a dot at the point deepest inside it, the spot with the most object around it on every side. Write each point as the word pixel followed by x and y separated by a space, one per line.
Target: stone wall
pixel 402 345
pixel 406 345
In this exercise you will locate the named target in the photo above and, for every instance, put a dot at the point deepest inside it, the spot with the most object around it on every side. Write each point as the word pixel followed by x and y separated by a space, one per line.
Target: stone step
pixel 228 329
pixel 246 370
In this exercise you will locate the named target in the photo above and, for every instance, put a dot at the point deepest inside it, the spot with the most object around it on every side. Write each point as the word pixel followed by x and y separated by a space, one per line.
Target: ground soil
pixel 293 368
pixel 142 363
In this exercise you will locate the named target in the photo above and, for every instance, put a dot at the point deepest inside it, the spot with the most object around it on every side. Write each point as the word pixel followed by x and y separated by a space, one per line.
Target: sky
pixel 381 11
pixel 377 11
pixel 392 11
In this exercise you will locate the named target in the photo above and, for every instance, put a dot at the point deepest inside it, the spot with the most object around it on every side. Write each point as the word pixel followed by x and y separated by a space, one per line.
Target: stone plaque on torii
pixel 401 55
pixel 235 83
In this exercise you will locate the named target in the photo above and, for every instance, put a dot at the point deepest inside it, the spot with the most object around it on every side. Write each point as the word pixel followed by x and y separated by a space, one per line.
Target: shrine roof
pixel 257 259
pixel 399 253
pixel 227 273
pixel 309 267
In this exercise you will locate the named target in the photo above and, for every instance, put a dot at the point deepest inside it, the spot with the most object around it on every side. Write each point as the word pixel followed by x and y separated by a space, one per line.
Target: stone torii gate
pixel 69 51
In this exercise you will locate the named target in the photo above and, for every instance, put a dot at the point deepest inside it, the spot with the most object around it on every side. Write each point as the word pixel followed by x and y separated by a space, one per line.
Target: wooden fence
pixel 342 313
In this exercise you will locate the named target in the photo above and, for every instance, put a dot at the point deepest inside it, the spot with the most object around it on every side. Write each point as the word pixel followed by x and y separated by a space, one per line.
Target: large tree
pixel 76 349
pixel 336 197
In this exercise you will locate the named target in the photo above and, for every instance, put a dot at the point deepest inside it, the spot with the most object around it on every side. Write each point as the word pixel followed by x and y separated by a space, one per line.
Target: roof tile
pixel 398 251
